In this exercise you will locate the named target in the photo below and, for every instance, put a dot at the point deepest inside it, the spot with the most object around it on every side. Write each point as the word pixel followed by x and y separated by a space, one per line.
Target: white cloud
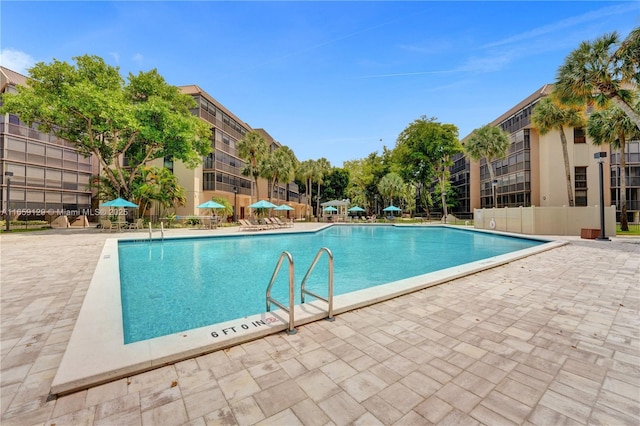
pixel 115 56
pixel 560 27
pixel 138 58
pixel 16 60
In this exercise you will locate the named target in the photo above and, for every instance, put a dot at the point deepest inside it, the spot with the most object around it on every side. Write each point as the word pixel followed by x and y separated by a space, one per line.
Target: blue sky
pixel 333 79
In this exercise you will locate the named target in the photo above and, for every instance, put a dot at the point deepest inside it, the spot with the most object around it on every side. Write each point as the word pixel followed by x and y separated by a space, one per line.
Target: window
pixel 581 186
pixel 579 135
pixel 208 183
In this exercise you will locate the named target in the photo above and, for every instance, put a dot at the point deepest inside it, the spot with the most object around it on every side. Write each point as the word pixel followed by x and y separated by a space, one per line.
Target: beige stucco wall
pixel 553 187
pixel 545 220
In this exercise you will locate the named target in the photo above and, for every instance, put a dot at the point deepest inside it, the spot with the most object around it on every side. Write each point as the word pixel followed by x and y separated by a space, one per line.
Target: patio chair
pixel 106 225
pixel 138 224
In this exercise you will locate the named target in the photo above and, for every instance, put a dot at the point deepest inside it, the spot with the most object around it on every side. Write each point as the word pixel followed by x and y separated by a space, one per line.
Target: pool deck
pixel 553 338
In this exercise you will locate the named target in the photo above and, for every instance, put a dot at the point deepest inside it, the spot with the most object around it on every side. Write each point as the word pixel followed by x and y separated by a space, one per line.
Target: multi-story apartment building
pixel 48 176
pixel 533 172
pixel 220 175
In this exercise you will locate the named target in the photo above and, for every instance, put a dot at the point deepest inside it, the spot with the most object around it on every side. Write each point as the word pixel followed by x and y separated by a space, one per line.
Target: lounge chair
pixel 272 222
pixel 281 223
pixel 247 226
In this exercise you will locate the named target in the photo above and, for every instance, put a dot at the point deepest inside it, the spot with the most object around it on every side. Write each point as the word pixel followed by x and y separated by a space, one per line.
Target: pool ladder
pixel 290 309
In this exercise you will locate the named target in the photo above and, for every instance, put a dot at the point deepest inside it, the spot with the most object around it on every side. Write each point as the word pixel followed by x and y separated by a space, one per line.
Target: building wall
pixel 221 172
pixel 50 177
pixel 545 182
pixel 552 170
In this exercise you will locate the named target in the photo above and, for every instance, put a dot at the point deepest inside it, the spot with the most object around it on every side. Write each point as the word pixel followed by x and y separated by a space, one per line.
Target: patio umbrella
pixel 284 207
pixel 330 209
pixel 356 209
pixel 211 205
pixel 391 209
pixel 262 204
pixel 118 202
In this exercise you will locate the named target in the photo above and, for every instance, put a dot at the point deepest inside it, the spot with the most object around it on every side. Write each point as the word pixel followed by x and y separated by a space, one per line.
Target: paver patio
pixel 550 339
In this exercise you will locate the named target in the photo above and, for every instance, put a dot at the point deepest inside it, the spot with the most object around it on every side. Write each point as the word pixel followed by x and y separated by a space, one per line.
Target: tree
pixel 390 185
pixel 491 143
pixel 305 172
pixel 336 183
pixel 549 114
pixel 612 126
pixel 91 106
pixel 424 150
pixel 356 188
pixel 253 148
pixel 279 166
pixel 601 71
pixel 226 211
pixel 157 184
pixel 321 169
pixel 374 168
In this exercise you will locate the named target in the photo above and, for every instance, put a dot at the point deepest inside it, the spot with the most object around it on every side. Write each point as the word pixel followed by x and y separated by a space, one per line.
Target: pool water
pixel 179 284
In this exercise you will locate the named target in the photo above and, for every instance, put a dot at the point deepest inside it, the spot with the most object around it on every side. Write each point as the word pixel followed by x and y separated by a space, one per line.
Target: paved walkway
pixel 547 340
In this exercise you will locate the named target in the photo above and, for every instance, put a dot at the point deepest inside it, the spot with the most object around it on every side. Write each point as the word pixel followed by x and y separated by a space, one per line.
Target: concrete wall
pixel 545 220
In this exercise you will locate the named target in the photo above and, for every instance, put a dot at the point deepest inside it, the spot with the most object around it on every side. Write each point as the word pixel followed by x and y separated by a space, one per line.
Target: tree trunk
pixel 443 197
pixel 318 200
pixel 309 198
pixel 567 169
pixel 494 188
pixel 255 182
pixel 633 115
pixel 624 225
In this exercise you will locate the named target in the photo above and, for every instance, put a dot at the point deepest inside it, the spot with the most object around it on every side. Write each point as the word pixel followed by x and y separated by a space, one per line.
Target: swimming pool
pixel 181 284
pixel 96 352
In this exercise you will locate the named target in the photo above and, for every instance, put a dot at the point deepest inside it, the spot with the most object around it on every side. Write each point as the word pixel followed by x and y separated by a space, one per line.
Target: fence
pixel 546 220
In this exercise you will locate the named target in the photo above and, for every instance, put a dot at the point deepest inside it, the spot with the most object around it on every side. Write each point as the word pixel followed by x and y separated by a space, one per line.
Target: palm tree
pixel 602 70
pixel 305 172
pixel 612 126
pixel 390 185
pixel 491 143
pixel 279 167
pixel 550 114
pixel 321 169
pixel 252 148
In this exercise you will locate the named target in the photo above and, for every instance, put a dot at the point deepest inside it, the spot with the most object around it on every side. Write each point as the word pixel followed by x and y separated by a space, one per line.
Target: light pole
pixel 494 184
pixel 7 216
pixel 235 203
pixel 600 156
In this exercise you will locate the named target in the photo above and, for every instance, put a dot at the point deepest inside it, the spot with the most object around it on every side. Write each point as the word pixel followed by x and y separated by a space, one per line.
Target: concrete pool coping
pixel 96 353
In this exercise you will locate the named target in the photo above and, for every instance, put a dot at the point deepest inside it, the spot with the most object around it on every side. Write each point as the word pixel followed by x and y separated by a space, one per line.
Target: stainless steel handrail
pixel 290 309
pixel 329 298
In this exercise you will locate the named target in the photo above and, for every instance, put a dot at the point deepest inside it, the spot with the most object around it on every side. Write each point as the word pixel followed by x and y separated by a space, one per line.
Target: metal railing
pixel 329 298
pixel 290 309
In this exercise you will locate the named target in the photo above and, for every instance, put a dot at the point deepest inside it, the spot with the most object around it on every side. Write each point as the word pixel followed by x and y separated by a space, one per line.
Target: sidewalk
pixel 549 339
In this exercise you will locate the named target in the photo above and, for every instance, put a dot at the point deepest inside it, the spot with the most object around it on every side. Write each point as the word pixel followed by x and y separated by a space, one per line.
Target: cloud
pixel 116 56
pixel 138 58
pixel 564 24
pixel 16 60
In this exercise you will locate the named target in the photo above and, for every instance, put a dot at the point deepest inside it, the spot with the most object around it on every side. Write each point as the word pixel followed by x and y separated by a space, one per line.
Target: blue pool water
pixel 179 284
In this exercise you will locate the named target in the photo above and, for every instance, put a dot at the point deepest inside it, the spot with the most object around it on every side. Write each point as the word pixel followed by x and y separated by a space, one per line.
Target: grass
pixel 634 230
